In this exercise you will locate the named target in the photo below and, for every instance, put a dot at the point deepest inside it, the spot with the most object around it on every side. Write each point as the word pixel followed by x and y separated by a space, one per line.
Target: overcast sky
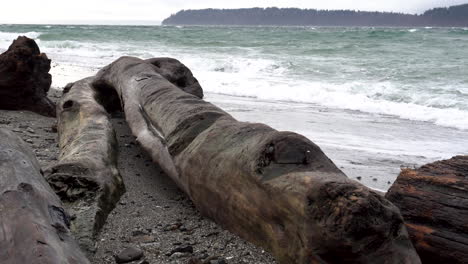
pixel 50 11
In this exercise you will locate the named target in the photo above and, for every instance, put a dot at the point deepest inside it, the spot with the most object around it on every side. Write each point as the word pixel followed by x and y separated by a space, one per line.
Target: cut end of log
pixel 434 203
pixel 355 224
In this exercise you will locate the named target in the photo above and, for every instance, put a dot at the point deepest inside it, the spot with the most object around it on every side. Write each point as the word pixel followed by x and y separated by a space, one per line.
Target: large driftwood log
pixel 34 227
pixel 25 78
pixel 178 74
pixel 276 189
pixel 434 203
pixel 86 177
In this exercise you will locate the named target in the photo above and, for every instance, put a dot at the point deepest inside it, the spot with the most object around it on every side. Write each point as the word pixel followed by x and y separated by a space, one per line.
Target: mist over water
pixel 416 74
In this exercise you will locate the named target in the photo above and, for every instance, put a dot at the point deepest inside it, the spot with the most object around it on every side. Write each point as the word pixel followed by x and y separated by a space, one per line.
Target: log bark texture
pixel 276 189
pixel 434 203
pixel 34 227
pixel 178 74
pixel 86 177
pixel 25 78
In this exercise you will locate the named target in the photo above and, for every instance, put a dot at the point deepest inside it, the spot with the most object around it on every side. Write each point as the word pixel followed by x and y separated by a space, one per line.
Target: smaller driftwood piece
pixel 86 177
pixel 434 203
pixel 34 227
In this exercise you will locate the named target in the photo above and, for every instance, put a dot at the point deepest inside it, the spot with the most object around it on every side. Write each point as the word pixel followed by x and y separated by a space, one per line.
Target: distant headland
pixel 454 16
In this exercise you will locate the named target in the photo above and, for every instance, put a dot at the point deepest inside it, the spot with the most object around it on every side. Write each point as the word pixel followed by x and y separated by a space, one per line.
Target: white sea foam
pixel 10 36
pixel 250 74
pixel 331 95
pixel 266 79
pixel 413 30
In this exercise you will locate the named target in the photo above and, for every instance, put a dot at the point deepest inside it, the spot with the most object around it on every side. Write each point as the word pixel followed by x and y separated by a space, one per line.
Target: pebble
pixel 195 261
pixel 129 254
pixel 178 255
pixel 181 249
pixel 172 227
pixel 143 239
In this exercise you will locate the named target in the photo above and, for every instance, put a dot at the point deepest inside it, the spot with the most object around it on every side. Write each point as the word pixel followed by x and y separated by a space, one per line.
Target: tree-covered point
pixel 452 16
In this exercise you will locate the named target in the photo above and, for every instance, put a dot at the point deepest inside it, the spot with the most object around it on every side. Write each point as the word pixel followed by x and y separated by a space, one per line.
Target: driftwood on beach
pixel 434 203
pixel 25 78
pixel 86 177
pixel 276 189
pixel 34 227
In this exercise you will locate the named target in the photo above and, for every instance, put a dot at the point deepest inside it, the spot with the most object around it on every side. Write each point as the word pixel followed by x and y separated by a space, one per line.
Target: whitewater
pixel 374 99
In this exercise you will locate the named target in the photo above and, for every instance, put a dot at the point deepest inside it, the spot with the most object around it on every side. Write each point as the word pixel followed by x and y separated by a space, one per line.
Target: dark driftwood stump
pixel 434 203
pixel 25 78
pixel 34 227
pixel 276 189
pixel 86 177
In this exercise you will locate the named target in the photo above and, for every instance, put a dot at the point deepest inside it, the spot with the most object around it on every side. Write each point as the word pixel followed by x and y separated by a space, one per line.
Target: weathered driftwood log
pixel 434 203
pixel 178 74
pixel 276 189
pixel 86 177
pixel 25 78
pixel 34 227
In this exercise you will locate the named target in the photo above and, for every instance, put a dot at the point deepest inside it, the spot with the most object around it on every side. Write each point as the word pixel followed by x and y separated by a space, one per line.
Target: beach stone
pixel 143 239
pixel 179 255
pixel 25 78
pixel 182 249
pixel 129 254
pixel 195 261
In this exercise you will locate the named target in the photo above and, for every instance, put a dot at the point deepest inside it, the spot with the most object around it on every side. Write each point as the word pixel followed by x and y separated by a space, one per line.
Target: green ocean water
pixel 373 99
pixel 410 73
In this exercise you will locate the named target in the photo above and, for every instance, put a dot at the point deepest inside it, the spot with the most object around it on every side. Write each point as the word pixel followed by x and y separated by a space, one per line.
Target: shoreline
pixel 372 147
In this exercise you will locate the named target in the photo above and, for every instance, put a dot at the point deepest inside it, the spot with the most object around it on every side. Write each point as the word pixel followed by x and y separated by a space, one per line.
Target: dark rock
pixel 25 78
pixel 172 227
pixel 138 233
pixel 143 239
pixel 194 261
pixel 182 249
pixel 179 255
pixel 218 261
pixel 434 203
pixel 129 254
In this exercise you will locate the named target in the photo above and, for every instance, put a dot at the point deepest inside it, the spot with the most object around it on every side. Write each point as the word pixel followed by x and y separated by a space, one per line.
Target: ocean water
pixel 374 99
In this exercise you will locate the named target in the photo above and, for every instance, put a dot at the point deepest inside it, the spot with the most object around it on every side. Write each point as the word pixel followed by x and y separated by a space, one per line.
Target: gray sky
pixel 56 11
